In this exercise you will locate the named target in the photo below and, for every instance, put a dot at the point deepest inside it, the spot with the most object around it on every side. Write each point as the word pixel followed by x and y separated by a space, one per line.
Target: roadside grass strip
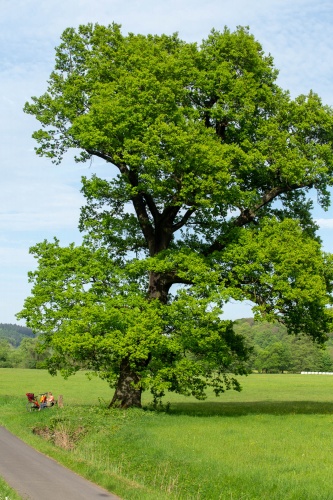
pixel 6 492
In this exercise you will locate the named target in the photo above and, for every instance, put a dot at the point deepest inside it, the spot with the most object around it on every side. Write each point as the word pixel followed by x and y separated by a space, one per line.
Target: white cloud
pixel 11 256
pixel 39 206
pixel 325 223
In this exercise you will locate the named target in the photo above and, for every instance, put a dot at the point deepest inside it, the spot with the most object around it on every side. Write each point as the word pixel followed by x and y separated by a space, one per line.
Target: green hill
pixel 14 333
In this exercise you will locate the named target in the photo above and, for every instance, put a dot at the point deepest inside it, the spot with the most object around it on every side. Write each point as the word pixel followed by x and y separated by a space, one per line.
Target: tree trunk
pixel 159 286
pixel 127 393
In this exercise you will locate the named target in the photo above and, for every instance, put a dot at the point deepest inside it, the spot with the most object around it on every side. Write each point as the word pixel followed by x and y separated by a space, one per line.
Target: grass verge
pixel 6 492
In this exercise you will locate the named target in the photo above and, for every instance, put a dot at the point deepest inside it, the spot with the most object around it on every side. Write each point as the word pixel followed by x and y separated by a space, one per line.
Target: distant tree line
pixel 19 348
pixel 273 350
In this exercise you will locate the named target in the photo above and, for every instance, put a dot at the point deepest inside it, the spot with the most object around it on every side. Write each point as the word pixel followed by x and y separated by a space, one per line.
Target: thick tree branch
pixel 102 155
pixel 152 206
pixel 139 203
pixel 139 200
pixel 184 219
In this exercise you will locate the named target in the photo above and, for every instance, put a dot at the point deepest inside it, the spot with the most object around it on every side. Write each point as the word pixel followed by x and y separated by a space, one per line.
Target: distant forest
pixel 272 349
pixel 14 333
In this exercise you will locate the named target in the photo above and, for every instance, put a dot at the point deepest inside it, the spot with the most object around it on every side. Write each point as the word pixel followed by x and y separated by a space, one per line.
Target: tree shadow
pixel 233 409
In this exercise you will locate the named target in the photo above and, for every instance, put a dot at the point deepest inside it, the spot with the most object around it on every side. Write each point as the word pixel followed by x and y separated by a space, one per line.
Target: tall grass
pixel 271 441
pixel 7 493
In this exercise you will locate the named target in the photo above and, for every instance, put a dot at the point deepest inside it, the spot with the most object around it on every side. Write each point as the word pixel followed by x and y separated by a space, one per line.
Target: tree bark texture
pixel 159 286
pixel 127 393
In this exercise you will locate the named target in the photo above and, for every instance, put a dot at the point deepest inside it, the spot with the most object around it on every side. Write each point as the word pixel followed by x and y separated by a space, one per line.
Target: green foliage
pixel 211 165
pixel 14 333
pixel 108 319
pixel 274 350
pixel 20 348
pixel 7 493
pixel 5 350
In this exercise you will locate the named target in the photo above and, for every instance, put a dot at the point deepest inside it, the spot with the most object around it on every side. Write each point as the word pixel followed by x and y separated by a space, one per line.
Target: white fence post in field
pixel 316 373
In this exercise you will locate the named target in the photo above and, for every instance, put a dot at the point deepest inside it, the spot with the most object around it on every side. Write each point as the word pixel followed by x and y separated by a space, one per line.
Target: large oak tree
pixel 212 171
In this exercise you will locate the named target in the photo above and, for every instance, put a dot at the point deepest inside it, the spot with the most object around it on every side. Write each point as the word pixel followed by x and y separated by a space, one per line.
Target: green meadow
pixel 273 441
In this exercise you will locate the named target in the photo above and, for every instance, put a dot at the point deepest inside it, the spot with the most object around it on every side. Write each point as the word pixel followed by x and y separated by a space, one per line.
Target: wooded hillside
pixel 14 333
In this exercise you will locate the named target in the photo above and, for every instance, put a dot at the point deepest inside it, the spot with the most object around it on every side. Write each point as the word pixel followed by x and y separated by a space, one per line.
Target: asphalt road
pixel 36 476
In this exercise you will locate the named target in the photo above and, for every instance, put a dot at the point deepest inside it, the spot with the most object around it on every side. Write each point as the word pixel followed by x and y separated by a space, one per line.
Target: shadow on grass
pixel 209 409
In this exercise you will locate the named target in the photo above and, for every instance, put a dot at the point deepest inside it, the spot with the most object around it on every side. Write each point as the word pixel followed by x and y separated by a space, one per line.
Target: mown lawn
pixel 272 441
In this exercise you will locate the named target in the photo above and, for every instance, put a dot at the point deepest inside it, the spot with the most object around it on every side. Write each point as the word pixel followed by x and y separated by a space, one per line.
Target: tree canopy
pixel 209 198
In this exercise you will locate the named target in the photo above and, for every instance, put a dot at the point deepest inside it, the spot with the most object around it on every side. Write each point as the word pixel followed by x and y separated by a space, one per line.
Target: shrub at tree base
pixel 207 200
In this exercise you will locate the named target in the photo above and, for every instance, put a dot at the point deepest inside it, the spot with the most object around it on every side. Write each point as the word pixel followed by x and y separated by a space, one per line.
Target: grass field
pixel 273 441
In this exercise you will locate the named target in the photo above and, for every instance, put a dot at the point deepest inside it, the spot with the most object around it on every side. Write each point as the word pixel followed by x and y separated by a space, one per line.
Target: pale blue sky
pixel 40 200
